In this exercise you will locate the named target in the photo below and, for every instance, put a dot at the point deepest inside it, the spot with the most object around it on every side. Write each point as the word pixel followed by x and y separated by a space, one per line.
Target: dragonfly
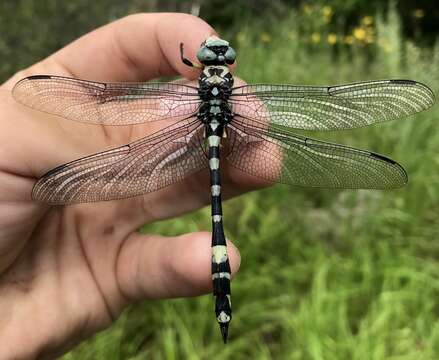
pixel 254 121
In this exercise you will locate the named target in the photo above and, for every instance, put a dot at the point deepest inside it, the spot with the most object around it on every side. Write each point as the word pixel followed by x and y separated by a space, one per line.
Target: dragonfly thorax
pixel 216 76
pixel 215 111
pixel 215 84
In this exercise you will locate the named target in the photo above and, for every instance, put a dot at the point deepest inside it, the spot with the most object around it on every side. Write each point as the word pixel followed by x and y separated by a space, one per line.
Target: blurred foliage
pixel 420 19
pixel 324 274
pixel 31 29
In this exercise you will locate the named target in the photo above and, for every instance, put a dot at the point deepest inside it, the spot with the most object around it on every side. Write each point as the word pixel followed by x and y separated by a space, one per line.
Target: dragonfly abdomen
pixel 220 260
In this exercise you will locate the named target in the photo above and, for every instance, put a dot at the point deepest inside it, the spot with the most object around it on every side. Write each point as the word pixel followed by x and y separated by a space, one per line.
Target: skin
pixel 67 272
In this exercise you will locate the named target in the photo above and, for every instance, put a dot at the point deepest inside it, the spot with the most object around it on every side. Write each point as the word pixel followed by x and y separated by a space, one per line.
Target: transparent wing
pixel 143 166
pixel 331 107
pixel 280 156
pixel 106 103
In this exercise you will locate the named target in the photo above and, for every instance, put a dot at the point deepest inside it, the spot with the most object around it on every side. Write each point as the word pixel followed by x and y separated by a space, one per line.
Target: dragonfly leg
pixel 185 60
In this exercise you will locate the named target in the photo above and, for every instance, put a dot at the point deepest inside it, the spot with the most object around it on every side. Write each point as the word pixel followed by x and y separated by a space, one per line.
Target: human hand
pixel 68 272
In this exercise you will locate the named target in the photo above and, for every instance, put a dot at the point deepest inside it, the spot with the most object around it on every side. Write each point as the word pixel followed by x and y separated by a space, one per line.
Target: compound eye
pixel 230 56
pixel 205 54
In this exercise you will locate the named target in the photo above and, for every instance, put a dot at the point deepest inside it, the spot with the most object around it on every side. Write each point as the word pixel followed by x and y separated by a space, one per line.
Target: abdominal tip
pixel 224 331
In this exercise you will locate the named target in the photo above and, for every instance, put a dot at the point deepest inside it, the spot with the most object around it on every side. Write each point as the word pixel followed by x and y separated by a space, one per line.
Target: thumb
pixel 154 266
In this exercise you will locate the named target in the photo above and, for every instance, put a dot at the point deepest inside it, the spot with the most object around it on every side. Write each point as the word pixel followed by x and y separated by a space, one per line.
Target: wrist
pixel 30 327
pixel 19 338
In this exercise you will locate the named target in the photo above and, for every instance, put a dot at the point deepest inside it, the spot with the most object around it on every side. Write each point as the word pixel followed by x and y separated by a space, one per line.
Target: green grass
pixel 324 274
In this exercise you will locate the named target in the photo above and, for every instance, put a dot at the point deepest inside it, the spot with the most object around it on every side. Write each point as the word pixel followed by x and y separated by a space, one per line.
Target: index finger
pixel 135 48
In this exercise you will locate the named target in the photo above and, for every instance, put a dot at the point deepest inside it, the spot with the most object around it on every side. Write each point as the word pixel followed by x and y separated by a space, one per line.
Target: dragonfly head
pixel 216 51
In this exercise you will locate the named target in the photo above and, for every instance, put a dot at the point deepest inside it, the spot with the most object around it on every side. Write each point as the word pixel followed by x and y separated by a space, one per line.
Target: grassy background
pixel 324 274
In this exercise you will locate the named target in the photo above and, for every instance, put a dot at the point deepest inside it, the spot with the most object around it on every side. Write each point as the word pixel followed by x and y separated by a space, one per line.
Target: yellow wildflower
pixel 315 37
pixel 265 37
pixel 332 39
pixel 308 9
pixel 419 13
pixel 359 33
pixel 349 40
pixel 327 13
pixel 367 20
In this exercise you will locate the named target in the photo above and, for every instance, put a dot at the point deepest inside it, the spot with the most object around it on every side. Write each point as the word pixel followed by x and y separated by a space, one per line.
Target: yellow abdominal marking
pixel 223 317
pixel 219 254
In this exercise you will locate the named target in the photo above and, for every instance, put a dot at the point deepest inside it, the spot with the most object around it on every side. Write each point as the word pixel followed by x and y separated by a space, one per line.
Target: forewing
pixel 331 107
pixel 106 103
pixel 280 156
pixel 141 167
